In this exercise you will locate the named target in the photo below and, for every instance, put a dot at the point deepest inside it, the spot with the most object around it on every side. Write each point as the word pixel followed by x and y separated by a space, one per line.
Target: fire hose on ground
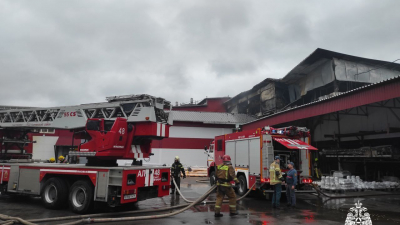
pixel 12 220
pixel 189 201
pixel 103 220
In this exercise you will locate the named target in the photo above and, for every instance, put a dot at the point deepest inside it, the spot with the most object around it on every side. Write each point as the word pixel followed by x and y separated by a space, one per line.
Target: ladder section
pixel 135 108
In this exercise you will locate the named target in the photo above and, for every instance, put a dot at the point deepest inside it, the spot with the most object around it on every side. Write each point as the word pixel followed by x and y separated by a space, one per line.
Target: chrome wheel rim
pixel 79 197
pixel 50 193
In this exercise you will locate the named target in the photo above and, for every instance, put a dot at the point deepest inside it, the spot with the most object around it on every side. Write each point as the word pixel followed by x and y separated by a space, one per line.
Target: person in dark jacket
pixel 176 170
pixel 291 181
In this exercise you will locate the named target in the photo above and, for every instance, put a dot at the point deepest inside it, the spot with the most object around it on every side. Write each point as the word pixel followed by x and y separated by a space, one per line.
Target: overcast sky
pixel 55 53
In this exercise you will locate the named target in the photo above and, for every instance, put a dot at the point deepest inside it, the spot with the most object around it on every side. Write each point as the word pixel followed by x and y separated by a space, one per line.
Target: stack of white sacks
pixel 354 183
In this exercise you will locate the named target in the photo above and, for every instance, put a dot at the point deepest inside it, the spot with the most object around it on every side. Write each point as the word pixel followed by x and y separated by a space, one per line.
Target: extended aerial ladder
pixel 121 128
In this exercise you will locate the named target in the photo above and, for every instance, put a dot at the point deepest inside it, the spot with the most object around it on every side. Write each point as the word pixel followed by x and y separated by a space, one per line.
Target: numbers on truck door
pixel 121 131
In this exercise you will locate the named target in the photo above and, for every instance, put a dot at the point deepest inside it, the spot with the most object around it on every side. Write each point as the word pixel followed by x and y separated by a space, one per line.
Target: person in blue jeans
pixel 291 181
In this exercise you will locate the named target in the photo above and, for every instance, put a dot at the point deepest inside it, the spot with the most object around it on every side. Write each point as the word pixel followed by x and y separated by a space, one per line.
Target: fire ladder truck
pixel 253 151
pixel 121 128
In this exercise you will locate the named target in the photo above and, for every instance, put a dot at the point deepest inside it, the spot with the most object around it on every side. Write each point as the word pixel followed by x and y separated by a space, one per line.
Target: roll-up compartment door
pixel 242 153
pixel 255 154
pixel 230 150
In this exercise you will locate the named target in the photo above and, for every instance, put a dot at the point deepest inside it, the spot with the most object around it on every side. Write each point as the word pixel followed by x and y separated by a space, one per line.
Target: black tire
pixel 212 178
pixel 242 185
pixel 54 193
pixel 81 198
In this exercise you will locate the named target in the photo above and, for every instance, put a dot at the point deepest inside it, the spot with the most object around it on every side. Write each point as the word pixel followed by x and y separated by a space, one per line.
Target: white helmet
pixel 177 158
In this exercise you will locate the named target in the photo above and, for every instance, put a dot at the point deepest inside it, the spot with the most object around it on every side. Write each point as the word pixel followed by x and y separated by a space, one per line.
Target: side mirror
pixel 205 148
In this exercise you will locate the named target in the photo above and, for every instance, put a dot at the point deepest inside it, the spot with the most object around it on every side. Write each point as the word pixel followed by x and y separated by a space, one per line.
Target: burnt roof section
pixel 384 82
pixel 315 59
pixel 320 56
pixel 255 87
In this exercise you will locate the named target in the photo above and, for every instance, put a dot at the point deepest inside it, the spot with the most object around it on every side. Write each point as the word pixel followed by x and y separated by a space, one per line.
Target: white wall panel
pixel 189 157
pixel 197 132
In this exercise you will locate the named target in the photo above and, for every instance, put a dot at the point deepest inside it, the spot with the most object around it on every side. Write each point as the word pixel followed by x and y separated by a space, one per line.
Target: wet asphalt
pixel 252 210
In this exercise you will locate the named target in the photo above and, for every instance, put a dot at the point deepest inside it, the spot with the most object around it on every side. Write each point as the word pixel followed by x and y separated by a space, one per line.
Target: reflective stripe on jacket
pixel 225 174
pixel 176 169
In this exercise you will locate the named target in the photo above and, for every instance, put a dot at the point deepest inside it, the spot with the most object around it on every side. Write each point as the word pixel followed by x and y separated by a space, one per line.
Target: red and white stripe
pixel 161 129
pixel 149 178
pixel 138 151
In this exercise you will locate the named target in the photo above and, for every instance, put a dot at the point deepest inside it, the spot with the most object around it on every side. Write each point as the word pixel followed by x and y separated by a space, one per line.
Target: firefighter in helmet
pixel 176 170
pixel 225 174
pixel 52 160
pixel 276 179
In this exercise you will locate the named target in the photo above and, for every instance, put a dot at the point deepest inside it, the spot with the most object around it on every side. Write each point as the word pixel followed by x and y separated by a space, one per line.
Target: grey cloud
pixel 72 52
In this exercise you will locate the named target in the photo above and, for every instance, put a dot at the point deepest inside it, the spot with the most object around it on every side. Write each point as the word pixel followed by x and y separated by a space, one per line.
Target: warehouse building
pixel 352 107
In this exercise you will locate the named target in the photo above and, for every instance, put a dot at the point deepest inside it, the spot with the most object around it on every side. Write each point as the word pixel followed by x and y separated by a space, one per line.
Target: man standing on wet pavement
pixel 225 174
pixel 176 170
pixel 276 179
pixel 291 181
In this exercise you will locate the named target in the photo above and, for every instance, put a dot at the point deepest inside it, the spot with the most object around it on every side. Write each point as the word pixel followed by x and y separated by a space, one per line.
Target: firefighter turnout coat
pixel 275 173
pixel 225 174
pixel 176 169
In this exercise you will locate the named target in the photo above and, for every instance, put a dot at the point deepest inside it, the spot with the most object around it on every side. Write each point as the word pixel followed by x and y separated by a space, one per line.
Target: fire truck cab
pixel 253 152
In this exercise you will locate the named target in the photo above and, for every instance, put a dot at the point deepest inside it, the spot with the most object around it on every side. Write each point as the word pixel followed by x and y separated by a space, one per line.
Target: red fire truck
pixel 253 151
pixel 122 128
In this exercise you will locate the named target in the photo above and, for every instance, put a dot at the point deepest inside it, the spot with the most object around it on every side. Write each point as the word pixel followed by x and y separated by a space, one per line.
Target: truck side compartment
pixel 115 185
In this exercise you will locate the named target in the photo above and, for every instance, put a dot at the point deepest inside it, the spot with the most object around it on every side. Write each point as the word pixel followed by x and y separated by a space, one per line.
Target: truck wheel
pixel 242 185
pixel 55 193
pixel 81 199
pixel 212 178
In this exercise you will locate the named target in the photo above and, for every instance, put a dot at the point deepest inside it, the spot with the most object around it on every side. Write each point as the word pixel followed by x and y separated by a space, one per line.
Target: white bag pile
pixel 354 183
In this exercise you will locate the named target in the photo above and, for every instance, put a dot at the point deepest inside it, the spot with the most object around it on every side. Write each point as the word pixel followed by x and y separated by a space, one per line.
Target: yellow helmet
pixel 52 159
pixel 61 158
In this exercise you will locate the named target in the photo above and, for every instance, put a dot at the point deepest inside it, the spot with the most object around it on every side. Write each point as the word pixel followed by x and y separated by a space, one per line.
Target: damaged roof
pixel 255 87
pixel 319 56
pixel 389 90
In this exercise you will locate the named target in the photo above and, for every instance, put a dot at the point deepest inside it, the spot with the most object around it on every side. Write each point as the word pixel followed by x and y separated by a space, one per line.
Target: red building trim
pixel 369 94
pixel 181 143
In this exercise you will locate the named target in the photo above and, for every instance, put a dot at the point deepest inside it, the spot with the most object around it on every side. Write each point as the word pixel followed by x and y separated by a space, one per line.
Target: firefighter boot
pixel 217 212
